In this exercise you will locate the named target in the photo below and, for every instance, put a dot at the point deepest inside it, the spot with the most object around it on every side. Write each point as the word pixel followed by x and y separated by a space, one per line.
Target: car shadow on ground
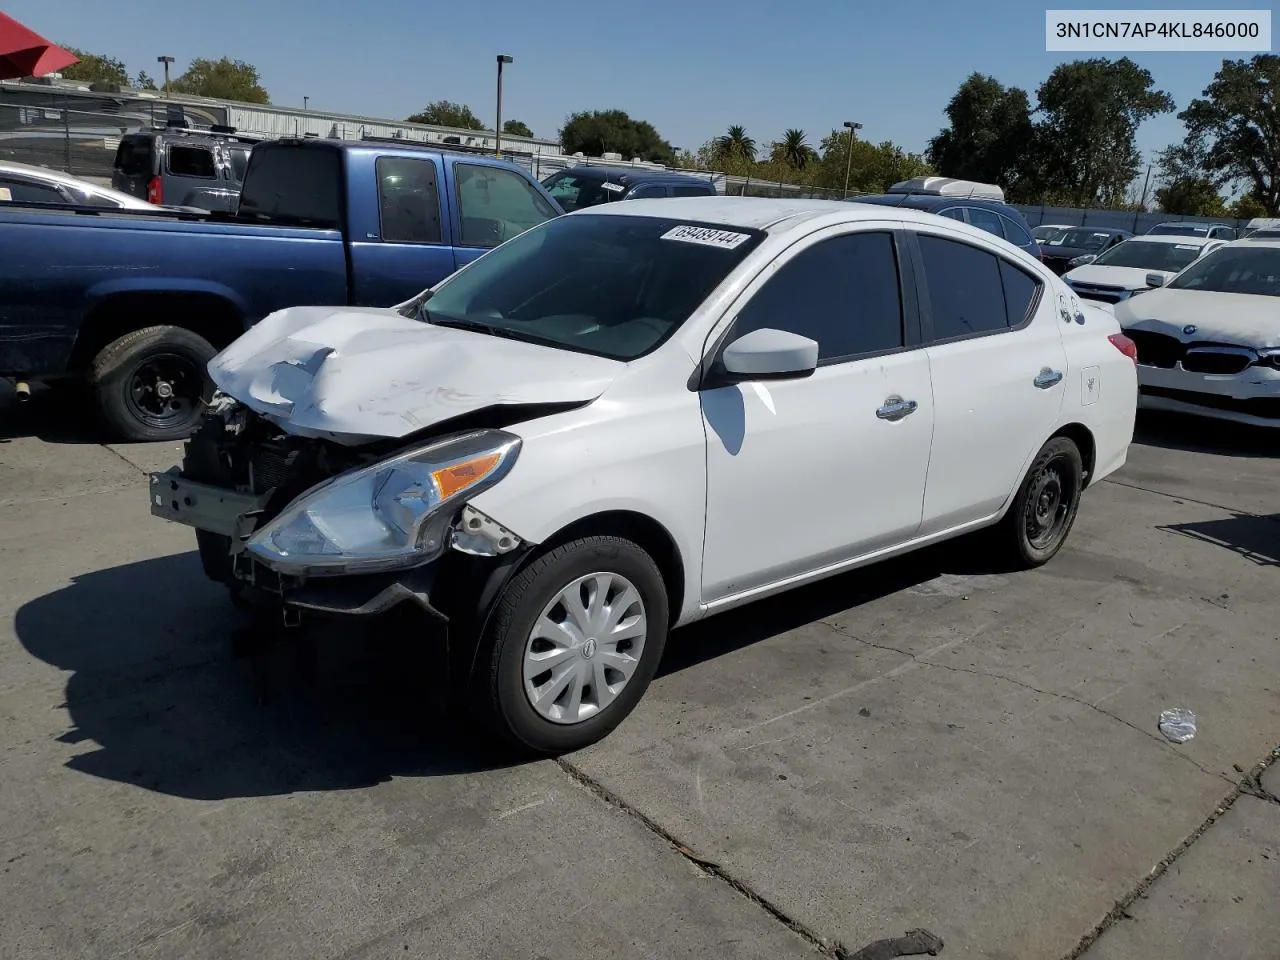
pixel 157 700
pixel 54 415
pixel 1255 538
pixel 1173 431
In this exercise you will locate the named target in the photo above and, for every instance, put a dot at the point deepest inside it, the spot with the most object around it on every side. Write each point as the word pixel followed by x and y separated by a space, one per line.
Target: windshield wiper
pixel 474 325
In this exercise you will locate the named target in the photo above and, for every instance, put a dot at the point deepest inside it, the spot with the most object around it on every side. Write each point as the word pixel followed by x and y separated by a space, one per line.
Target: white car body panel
pixel 761 485
pixel 1129 278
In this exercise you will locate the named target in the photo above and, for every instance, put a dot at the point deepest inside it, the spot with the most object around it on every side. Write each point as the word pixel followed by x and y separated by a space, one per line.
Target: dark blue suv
pixel 989 215
pixel 578 187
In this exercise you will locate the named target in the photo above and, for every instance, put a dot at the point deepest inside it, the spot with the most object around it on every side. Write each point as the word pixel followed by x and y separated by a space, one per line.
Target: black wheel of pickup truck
pixel 152 384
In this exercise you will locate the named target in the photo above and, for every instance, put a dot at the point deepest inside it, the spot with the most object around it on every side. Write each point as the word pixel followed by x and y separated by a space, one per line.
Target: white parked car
pixel 1209 341
pixel 643 413
pixel 1136 265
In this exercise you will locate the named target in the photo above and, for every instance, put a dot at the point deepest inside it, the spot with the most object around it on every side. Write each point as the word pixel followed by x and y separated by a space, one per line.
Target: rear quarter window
pixel 186 161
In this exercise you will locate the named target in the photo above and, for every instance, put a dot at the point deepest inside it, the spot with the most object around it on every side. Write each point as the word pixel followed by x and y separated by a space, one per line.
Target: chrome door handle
pixel 895 408
pixel 1046 378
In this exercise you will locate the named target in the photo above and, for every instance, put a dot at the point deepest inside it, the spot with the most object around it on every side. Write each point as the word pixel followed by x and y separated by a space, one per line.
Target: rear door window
pixel 986 220
pixel 1015 233
pixel 967 289
pixel 496 204
pixel 408 200
pixel 188 161
pixel 648 190
pixel 23 191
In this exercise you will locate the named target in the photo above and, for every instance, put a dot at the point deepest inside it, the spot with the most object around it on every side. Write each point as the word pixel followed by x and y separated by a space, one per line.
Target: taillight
pixel 155 190
pixel 1125 346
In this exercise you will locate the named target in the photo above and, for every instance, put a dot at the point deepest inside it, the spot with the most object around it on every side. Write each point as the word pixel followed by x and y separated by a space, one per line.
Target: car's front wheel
pixel 1045 507
pixel 572 644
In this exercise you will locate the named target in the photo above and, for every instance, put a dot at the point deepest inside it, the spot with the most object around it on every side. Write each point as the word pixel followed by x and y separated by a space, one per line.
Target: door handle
pixel 895 408
pixel 1046 378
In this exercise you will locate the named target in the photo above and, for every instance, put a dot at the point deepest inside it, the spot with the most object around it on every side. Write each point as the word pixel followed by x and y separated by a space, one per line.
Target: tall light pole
pixel 166 61
pixel 304 102
pixel 497 129
pixel 849 160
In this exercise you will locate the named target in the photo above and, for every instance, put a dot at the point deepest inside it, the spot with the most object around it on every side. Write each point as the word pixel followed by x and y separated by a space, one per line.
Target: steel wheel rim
pixel 1049 501
pixel 584 648
pixel 164 390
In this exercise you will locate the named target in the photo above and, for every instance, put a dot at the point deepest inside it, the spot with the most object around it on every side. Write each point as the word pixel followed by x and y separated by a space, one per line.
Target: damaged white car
pixel 641 414
pixel 1209 341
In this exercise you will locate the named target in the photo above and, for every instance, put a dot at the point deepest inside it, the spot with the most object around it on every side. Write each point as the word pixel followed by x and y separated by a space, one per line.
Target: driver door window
pixel 496 204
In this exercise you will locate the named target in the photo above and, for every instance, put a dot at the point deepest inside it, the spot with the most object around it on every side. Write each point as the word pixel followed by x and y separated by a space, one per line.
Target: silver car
pixel 23 183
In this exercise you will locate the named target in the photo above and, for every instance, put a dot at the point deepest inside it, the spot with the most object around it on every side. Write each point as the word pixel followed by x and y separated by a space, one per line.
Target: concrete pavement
pixel 928 744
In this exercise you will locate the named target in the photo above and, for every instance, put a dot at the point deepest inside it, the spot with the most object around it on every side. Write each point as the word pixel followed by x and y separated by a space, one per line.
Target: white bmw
pixel 642 414
pixel 1209 341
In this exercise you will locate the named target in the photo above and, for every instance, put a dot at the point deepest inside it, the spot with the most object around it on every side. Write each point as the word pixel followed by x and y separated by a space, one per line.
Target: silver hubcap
pixel 584 647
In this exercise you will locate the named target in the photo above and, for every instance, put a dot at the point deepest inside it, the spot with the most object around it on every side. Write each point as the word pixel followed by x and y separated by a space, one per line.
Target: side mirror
pixel 770 354
pixel 1155 279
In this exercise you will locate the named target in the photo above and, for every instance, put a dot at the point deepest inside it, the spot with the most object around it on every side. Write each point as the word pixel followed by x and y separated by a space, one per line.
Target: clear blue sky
pixel 691 67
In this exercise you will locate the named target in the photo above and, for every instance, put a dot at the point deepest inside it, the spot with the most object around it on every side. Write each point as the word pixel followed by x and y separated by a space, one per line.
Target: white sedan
pixel 1137 265
pixel 641 414
pixel 1209 341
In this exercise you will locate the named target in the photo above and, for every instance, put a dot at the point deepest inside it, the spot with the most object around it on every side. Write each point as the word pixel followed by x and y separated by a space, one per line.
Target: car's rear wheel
pixel 572 644
pixel 152 384
pixel 1045 507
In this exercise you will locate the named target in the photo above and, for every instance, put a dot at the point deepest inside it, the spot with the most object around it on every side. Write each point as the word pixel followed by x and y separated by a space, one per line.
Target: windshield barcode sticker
pixel 707 236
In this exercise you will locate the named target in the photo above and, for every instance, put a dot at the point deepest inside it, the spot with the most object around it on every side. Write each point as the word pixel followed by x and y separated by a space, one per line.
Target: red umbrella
pixel 24 53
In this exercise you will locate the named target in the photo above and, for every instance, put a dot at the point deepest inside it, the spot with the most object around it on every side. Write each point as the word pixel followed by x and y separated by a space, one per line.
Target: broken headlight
pixel 391 514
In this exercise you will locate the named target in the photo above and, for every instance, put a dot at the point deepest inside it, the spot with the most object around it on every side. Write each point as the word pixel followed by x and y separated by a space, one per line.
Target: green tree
pixel 1233 129
pixel 1248 207
pixel 446 113
pixel 597 132
pixel 873 168
pixel 222 79
pixel 734 148
pixel 1083 146
pixel 1191 197
pixel 144 81
pixel 793 150
pixel 517 128
pixel 988 135
pixel 96 68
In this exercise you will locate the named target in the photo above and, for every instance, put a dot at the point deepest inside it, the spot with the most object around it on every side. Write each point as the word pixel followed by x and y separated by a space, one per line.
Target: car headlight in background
pixel 1081 261
pixel 391 514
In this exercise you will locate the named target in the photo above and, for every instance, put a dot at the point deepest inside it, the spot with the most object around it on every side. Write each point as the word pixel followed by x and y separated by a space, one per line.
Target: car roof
pixel 1181 239
pixel 1195 225
pixel 628 175
pixel 1110 230
pixel 66 179
pixel 774 216
pixel 928 201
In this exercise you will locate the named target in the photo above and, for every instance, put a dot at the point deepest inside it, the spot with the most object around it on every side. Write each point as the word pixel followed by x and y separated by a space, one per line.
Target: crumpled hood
pixel 356 374
pixel 1238 318
pixel 1130 278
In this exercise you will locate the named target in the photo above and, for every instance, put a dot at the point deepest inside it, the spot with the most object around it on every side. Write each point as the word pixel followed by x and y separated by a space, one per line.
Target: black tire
pixel 501 681
pixel 152 384
pixel 1045 507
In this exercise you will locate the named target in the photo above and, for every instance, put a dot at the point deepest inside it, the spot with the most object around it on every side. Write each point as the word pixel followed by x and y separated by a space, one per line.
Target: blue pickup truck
pixel 137 303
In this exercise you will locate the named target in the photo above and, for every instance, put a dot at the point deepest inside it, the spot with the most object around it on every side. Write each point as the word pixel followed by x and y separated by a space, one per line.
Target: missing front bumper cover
pixel 205 507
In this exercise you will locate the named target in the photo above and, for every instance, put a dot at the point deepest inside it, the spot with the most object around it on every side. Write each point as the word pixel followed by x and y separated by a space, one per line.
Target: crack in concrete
pixel 110 449
pixel 1121 907
pixel 991 675
pixel 824 945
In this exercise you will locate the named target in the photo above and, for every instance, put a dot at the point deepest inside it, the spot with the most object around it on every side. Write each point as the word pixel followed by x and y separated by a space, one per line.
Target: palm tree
pixel 734 144
pixel 795 149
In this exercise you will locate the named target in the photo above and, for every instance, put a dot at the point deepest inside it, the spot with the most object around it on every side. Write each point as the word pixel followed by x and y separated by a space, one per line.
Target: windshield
pixel 1234 270
pixel 613 286
pixel 1169 257
pixel 1082 239
pixel 1046 233
pixel 574 192
pixel 1179 230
